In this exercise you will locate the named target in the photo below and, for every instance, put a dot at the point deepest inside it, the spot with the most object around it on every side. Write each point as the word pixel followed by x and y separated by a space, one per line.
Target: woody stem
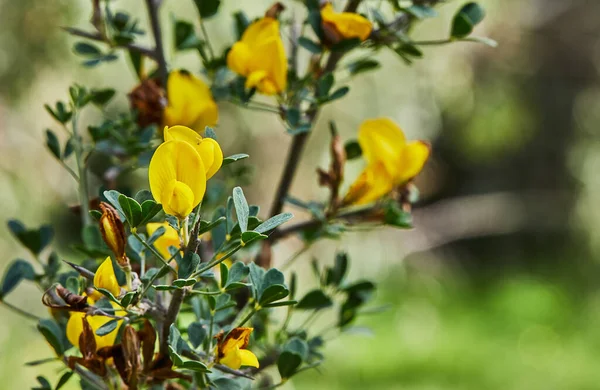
pixel 159 53
pixel 170 318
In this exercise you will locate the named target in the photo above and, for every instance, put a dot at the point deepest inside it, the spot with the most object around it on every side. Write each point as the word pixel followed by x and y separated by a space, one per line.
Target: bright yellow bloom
pixel 104 278
pixel 190 102
pixel 232 351
pixel 209 150
pixel 260 57
pixel 169 238
pixel 348 24
pixel 177 177
pixel 391 161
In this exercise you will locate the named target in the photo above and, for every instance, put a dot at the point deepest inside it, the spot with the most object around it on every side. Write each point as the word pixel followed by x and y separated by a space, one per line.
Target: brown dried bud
pixel 331 35
pixel 58 297
pixel 333 177
pixel 113 232
pixel 275 10
pixel 147 337
pixel 149 101
pixel 77 302
pixel 131 356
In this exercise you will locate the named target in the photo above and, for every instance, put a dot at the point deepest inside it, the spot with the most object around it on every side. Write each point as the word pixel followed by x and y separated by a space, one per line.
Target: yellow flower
pixel 208 149
pixel 177 177
pixel 190 102
pixel 347 24
pixel 232 352
pixel 391 161
pixel 169 238
pixel 260 57
pixel 104 278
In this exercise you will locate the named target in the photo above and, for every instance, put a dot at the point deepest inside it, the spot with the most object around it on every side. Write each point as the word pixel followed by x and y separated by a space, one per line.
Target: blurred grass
pixel 516 333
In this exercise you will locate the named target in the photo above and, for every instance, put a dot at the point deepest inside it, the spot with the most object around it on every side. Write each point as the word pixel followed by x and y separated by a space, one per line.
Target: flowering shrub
pixel 176 288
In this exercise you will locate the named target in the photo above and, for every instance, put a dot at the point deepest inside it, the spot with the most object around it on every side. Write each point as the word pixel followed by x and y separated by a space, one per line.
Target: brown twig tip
pixel 275 10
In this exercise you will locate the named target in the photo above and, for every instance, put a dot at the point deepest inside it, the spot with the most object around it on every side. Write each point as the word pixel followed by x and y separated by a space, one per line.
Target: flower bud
pixel 113 232
pixel 148 100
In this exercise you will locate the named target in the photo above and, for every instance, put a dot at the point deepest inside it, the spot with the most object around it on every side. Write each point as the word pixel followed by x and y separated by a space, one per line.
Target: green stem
pixel 242 322
pixel 433 42
pixel 82 169
pixel 210 333
pixel 155 252
pixel 20 311
pixel 212 263
pixel 207 40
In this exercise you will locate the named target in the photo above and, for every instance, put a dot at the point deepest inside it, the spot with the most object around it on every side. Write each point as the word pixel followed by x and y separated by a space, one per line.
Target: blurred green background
pixel 495 288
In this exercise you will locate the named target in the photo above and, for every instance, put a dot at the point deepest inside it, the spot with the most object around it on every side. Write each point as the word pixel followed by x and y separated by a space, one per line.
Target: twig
pixel 88 376
pixel 159 54
pixel 170 318
pixel 82 170
pixel 20 311
pixel 98 37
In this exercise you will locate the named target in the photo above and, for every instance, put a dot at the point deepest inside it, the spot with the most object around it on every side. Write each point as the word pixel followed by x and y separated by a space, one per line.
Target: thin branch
pixel 159 53
pixel 98 37
pixel 170 318
pixel 87 375
pixel 20 311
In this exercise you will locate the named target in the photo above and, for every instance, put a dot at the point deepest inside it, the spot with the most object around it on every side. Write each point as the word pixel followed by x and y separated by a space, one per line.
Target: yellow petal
pixel 75 327
pixel 232 358
pixel 211 151
pixel 208 149
pixel 414 157
pixel 169 238
pixel 348 24
pixel 105 278
pixel 178 161
pixel 382 140
pixel 373 183
pixel 248 358
pixel 239 58
pixel 190 101
pixel 260 57
pixel 178 199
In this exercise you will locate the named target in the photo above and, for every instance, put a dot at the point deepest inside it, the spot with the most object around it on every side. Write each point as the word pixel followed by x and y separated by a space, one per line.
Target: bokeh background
pixel 497 287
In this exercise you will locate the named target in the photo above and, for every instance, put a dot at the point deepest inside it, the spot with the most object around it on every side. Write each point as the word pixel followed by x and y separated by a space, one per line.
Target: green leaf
pixel 241 23
pixel 254 210
pixel 175 358
pixel 69 148
pixel 53 144
pixel 17 271
pixel 224 273
pixel 131 209
pixel 53 335
pixel 273 222
pixel 233 158
pixel 206 226
pixel 185 36
pixel 353 150
pixel 128 298
pixel 282 303
pixel 241 208
pixel 288 363
pixel 237 272
pixel 188 265
pixel 256 278
pixel 34 363
pixel 107 328
pixel 336 274
pixel 108 295
pixel 339 93
pixel 362 66
pixel 309 45
pixel 112 197
pixel 44 384
pixel 324 84
pixel 87 49
pixel 298 346
pixel 486 41
pixel 293 115
pixel 314 19
pixel 314 300
pixel 33 239
pixel 251 236
pixel 194 366
pixel 149 209
pixel 224 383
pixel 466 19
pixel 196 333
pixel 273 293
pixel 92 238
pixel 100 97
pixel 346 45
pixel 394 215
pixel 181 283
pixel 72 284
pixel 207 8
pixel 63 380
